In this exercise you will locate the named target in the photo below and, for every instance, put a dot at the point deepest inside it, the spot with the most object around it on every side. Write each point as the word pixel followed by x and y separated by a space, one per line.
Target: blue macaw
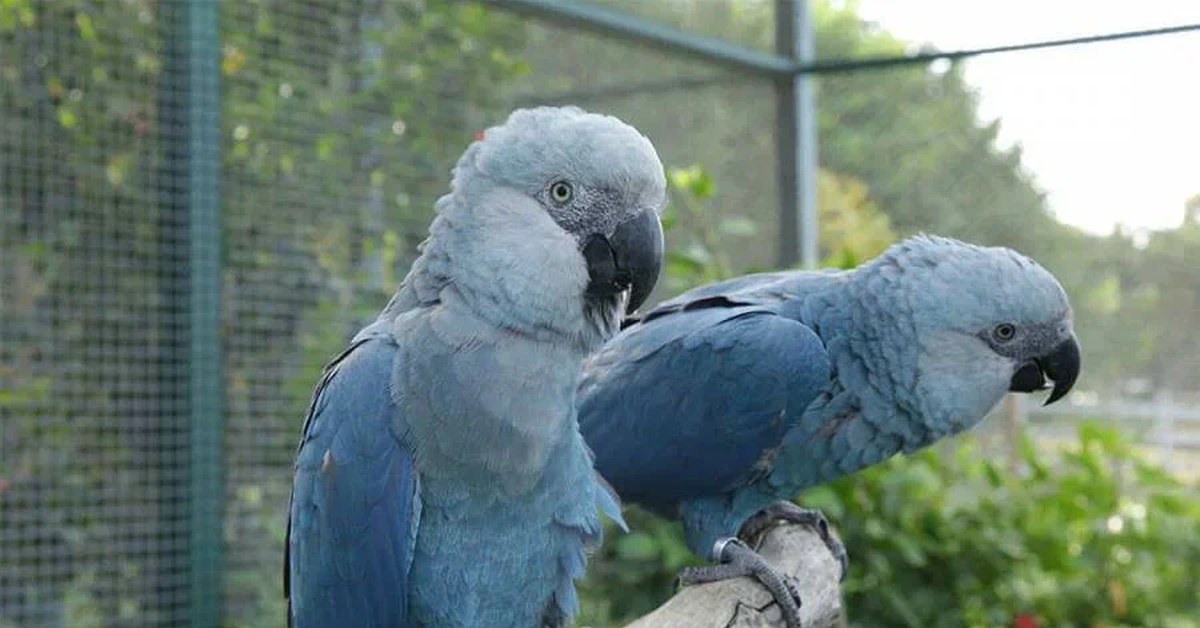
pixel 721 405
pixel 441 479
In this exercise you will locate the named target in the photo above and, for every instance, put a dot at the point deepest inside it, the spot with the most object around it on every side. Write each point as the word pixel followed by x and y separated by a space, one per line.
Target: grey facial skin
pixel 1042 352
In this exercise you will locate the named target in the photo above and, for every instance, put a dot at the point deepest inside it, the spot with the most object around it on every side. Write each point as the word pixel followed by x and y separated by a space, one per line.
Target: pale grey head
pixel 986 320
pixel 597 178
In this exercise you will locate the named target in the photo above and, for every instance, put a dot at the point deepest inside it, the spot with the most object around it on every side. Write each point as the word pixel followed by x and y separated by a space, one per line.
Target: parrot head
pixel 986 321
pixel 581 180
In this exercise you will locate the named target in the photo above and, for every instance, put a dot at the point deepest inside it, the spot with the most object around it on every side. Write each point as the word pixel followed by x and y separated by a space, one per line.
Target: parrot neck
pixel 511 393
pixel 866 326
pixel 878 357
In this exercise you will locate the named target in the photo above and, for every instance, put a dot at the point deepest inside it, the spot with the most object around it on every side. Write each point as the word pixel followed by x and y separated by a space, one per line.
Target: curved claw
pixel 789 512
pixel 737 560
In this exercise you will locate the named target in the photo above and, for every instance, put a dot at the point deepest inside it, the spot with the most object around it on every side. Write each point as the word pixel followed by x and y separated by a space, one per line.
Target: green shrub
pixel 1092 536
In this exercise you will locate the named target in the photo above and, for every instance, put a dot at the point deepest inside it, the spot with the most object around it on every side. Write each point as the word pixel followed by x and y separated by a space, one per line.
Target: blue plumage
pixel 356 506
pixel 715 351
pixel 441 480
pixel 740 394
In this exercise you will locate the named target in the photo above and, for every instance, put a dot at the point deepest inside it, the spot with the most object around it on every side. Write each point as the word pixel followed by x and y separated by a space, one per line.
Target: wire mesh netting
pixel 91 440
pixel 336 123
pixel 339 124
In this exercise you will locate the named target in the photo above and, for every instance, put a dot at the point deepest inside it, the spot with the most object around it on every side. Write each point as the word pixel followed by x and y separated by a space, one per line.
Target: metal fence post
pixel 189 120
pixel 796 138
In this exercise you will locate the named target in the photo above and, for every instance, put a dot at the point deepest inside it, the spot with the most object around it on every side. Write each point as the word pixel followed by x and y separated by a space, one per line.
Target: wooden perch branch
pixel 794 550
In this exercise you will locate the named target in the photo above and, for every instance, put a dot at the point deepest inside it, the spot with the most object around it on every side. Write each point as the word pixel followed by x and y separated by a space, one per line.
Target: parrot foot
pixel 737 560
pixel 789 512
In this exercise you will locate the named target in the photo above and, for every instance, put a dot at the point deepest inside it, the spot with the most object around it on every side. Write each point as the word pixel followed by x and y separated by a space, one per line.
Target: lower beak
pixel 1061 366
pixel 630 260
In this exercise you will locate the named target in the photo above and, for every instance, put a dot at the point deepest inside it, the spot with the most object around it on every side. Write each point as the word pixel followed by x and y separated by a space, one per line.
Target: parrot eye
pixel 1004 332
pixel 561 192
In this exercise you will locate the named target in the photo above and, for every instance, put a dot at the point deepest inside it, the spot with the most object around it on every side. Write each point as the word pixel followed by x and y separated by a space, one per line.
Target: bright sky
pixel 1111 130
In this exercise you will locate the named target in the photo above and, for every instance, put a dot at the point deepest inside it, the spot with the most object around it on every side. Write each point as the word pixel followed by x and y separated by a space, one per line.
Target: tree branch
pixel 796 551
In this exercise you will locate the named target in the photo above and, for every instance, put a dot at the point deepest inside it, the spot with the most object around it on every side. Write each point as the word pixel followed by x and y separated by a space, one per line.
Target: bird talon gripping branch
pixel 788 512
pixel 735 559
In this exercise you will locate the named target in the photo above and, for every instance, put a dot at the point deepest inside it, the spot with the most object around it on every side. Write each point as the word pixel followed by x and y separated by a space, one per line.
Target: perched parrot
pixel 441 479
pixel 721 405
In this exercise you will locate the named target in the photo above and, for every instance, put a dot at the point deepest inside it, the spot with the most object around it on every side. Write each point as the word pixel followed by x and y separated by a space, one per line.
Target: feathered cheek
pixel 555 254
pixel 962 384
pixel 539 260
pixel 958 361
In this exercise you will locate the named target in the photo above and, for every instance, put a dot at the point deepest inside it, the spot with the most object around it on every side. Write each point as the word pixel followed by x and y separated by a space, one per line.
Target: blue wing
pixel 355 500
pixel 742 290
pixel 776 290
pixel 695 401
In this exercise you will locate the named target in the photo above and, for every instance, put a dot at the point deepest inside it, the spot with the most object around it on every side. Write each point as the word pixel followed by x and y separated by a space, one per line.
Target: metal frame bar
pixel 611 23
pixel 190 125
pixel 791 68
pixel 796 127
pixel 796 138
pixel 835 66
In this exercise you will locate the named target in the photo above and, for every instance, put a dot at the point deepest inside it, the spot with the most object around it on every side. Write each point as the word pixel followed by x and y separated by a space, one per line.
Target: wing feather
pixel 355 499
pixel 696 401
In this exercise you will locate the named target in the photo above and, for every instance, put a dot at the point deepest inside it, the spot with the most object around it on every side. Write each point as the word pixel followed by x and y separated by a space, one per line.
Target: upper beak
pixel 630 260
pixel 1061 366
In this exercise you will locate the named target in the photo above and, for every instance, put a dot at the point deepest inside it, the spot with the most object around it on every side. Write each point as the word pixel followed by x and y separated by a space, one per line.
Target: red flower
pixel 479 136
pixel 1025 620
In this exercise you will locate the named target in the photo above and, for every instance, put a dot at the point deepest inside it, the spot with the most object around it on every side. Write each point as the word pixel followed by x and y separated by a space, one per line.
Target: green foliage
pixel 853 229
pixel 913 136
pixel 1091 536
pixel 1094 536
pixel 703 259
pixel 1151 280
pixel 632 574
pixel 1166 295
pixel 82 305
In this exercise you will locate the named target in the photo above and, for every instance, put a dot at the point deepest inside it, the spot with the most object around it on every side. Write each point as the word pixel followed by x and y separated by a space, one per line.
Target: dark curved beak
pixel 1061 366
pixel 630 260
